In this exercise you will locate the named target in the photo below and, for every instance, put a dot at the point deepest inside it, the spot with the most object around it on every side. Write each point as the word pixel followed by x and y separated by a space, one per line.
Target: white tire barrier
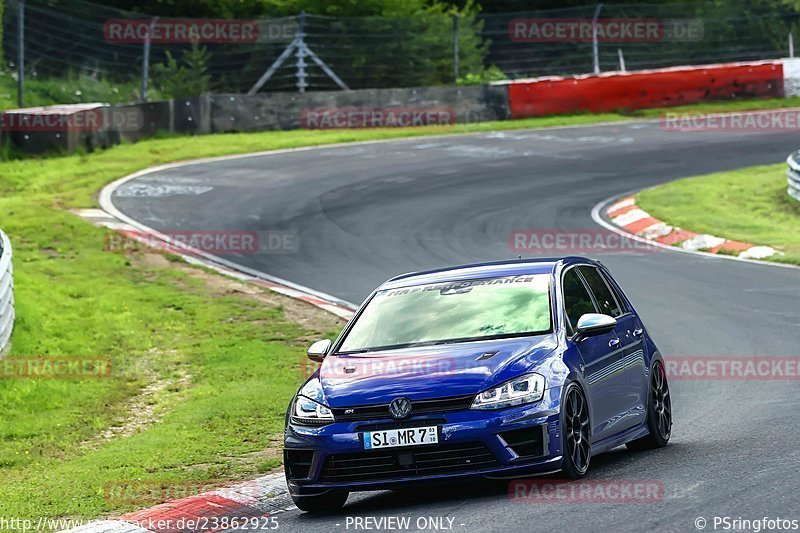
pixel 6 293
pixel 794 175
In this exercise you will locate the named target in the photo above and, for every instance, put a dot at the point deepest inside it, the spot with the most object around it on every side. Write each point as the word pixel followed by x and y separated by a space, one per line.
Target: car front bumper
pixel 509 442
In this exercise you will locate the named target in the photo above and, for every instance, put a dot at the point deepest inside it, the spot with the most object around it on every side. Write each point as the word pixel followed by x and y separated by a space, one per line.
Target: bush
pixel 185 77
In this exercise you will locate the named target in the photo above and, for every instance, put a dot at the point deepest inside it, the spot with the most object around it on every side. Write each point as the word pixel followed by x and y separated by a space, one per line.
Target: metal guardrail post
pixel 793 174
pixel 21 54
pixel 455 47
pixel 6 294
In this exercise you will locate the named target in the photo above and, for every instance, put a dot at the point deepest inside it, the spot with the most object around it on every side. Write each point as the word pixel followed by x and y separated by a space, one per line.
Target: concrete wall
pixel 358 109
pixel 192 115
pixel 138 121
pixel 56 128
pixel 277 111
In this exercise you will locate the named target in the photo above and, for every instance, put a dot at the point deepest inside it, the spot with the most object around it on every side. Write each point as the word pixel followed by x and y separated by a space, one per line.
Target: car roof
pixel 515 267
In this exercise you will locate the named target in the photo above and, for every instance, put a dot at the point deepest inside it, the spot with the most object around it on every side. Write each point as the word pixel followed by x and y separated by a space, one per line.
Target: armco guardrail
pixel 6 293
pixel 794 175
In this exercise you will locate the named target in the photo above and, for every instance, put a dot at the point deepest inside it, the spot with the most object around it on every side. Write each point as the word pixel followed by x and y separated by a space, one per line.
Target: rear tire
pixel 324 503
pixel 576 437
pixel 659 413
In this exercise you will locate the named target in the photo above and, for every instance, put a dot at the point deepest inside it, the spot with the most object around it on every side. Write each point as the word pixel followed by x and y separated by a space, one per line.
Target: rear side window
pixel 577 301
pixel 605 298
pixel 616 290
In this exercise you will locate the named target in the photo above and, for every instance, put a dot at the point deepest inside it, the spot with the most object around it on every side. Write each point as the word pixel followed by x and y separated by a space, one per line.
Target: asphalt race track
pixel 363 213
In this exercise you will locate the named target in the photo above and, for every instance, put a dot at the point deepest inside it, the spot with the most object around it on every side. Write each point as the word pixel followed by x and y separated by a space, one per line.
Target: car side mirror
pixel 318 350
pixel 594 324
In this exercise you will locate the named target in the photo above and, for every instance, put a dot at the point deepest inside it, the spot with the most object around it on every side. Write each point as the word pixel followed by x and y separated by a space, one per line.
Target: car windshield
pixel 452 311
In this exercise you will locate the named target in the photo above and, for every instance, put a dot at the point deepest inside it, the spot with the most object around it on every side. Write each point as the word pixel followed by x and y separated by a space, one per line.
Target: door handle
pixel 637 332
pixel 613 343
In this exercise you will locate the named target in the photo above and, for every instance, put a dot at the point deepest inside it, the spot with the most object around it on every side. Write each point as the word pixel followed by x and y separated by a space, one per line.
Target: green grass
pixel 721 107
pixel 72 89
pixel 228 366
pixel 749 205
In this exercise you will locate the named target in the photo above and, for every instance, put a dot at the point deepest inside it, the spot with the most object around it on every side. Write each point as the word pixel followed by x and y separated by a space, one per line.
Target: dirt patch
pixel 143 410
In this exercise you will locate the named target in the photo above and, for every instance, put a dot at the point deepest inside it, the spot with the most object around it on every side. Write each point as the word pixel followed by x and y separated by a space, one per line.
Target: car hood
pixel 422 373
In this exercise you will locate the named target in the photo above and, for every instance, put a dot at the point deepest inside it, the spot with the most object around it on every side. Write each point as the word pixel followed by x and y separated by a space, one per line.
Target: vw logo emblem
pixel 400 407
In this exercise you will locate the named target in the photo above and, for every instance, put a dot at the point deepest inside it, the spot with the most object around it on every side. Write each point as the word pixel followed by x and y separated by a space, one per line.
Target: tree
pixel 185 77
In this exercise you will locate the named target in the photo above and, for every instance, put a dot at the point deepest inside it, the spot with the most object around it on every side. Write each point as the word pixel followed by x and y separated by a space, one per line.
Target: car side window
pixel 577 301
pixel 602 294
pixel 616 290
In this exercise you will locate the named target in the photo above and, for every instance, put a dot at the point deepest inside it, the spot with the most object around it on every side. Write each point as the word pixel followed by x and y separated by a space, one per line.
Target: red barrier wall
pixel 650 88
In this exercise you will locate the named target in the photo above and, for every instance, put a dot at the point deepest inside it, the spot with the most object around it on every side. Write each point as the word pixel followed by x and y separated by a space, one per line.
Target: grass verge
pixel 201 374
pixel 71 89
pixel 749 205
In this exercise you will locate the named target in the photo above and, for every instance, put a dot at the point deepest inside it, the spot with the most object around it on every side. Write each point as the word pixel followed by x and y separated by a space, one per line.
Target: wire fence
pixel 76 52
pixel 640 36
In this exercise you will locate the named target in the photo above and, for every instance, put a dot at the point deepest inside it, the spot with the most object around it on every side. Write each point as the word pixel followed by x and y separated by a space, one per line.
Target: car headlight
pixel 309 405
pixel 519 391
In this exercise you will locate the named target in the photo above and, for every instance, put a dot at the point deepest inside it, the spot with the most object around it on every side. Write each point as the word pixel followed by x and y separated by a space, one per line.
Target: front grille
pixel 418 407
pixel 400 424
pixel 422 461
pixel 526 442
pixel 298 462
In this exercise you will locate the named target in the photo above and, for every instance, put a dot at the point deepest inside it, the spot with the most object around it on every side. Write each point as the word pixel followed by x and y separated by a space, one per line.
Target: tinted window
pixel 577 301
pixel 620 300
pixel 457 310
pixel 605 299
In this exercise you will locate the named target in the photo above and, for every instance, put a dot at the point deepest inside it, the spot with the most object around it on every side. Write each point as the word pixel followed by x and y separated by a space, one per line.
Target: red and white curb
pixel 161 242
pixel 625 214
pixel 248 505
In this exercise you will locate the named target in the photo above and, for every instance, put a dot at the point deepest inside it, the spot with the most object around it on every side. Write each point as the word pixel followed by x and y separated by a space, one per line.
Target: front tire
pixel 576 439
pixel 659 413
pixel 324 503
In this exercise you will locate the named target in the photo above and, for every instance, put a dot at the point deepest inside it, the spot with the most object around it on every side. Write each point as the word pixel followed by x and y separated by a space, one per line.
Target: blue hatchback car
pixel 497 370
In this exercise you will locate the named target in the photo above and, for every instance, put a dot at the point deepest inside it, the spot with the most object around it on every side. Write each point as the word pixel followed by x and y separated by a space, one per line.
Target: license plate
pixel 396 438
